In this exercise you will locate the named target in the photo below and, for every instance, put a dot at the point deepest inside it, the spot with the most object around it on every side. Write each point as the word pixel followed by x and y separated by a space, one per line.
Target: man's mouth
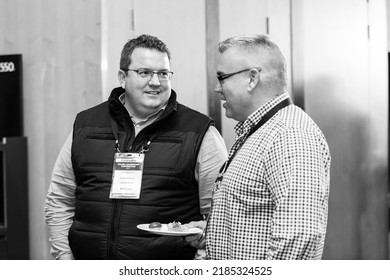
pixel 153 92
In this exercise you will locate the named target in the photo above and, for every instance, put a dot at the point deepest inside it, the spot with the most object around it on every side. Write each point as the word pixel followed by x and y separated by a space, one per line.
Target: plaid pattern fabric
pixel 272 202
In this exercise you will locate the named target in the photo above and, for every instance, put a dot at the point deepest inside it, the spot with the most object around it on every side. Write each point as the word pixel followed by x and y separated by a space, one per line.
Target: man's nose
pixel 218 87
pixel 154 80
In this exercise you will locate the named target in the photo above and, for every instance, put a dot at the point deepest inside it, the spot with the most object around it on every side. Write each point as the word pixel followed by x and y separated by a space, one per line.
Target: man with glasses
pixel 270 200
pixel 138 158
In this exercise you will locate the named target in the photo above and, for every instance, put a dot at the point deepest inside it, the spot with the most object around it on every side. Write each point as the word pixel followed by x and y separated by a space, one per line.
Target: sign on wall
pixel 11 96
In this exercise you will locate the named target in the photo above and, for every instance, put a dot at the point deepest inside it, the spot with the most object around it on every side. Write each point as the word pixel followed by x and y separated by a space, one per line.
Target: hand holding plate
pixel 197 240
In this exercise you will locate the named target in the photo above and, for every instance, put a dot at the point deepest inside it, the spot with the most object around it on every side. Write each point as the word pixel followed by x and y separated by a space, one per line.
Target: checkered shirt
pixel 272 202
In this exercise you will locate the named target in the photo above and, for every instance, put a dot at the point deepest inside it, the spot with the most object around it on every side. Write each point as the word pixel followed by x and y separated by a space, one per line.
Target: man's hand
pixel 197 240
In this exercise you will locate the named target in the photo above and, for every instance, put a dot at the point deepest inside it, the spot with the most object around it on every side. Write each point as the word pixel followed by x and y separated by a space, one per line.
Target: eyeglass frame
pixel 153 72
pixel 221 78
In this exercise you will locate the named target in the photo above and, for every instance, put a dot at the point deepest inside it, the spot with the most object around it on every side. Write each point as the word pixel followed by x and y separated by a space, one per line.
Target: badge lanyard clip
pixel 145 147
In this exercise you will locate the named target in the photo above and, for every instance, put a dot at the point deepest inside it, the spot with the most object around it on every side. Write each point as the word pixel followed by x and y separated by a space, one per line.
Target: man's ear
pixel 254 79
pixel 121 78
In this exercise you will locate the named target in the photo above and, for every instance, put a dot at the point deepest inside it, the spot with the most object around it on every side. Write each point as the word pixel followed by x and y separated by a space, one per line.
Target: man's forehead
pixel 245 56
pixel 149 56
pixel 142 50
pixel 232 57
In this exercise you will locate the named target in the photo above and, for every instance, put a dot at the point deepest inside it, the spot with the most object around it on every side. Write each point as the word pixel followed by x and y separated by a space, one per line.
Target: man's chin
pixel 228 114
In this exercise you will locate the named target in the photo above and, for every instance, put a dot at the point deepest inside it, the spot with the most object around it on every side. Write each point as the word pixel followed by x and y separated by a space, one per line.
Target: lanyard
pixel 224 167
pixel 114 126
pixel 263 120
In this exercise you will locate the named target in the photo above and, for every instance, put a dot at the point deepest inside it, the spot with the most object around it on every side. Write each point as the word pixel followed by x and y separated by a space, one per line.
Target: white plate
pixel 165 231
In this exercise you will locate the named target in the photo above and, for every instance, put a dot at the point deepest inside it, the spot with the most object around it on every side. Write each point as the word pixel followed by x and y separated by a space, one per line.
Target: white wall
pixel 346 93
pixel 388 24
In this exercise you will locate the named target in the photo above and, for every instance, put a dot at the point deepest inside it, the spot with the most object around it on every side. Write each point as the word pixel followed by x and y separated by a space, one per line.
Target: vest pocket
pixel 164 154
pixel 97 151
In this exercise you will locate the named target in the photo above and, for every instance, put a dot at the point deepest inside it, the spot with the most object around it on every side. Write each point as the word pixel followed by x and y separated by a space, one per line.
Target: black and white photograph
pixel 191 139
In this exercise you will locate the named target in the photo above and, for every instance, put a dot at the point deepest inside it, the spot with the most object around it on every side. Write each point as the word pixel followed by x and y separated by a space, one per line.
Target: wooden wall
pixel 61 46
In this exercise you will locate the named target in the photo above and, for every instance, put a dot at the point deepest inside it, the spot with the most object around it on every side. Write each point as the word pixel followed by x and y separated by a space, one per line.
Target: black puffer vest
pixel 105 228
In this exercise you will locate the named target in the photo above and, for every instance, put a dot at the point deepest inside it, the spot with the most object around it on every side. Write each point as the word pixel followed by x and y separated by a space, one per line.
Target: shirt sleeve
pixel 212 155
pixel 60 201
pixel 298 171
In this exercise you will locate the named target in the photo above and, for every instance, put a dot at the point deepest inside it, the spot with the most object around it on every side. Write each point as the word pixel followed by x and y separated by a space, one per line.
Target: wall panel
pixel 60 43
pixel 345 91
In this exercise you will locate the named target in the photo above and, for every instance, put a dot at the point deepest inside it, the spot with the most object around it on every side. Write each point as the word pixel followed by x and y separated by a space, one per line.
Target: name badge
pixel 127 175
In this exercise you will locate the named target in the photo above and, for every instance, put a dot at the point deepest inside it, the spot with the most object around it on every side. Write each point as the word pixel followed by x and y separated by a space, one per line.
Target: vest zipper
pixel 113 234
pixel 116 212
pixel 117 203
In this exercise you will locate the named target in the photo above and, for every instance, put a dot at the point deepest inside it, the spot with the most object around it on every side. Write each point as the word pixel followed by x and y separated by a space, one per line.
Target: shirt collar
pixel 242 128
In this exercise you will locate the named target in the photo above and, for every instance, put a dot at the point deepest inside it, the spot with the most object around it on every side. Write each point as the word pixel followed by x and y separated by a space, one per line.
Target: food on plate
pixel 174 226
pixel 177 226
pixel 155 225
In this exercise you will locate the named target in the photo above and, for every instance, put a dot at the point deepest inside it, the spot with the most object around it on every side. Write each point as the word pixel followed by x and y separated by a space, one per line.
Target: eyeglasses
pixel 147 74
pixel 225 76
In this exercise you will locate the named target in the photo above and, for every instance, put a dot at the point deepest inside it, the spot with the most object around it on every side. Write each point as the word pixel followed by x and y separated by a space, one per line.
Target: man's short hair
pixel 249 42
pixel 142 41
pixel 277 68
